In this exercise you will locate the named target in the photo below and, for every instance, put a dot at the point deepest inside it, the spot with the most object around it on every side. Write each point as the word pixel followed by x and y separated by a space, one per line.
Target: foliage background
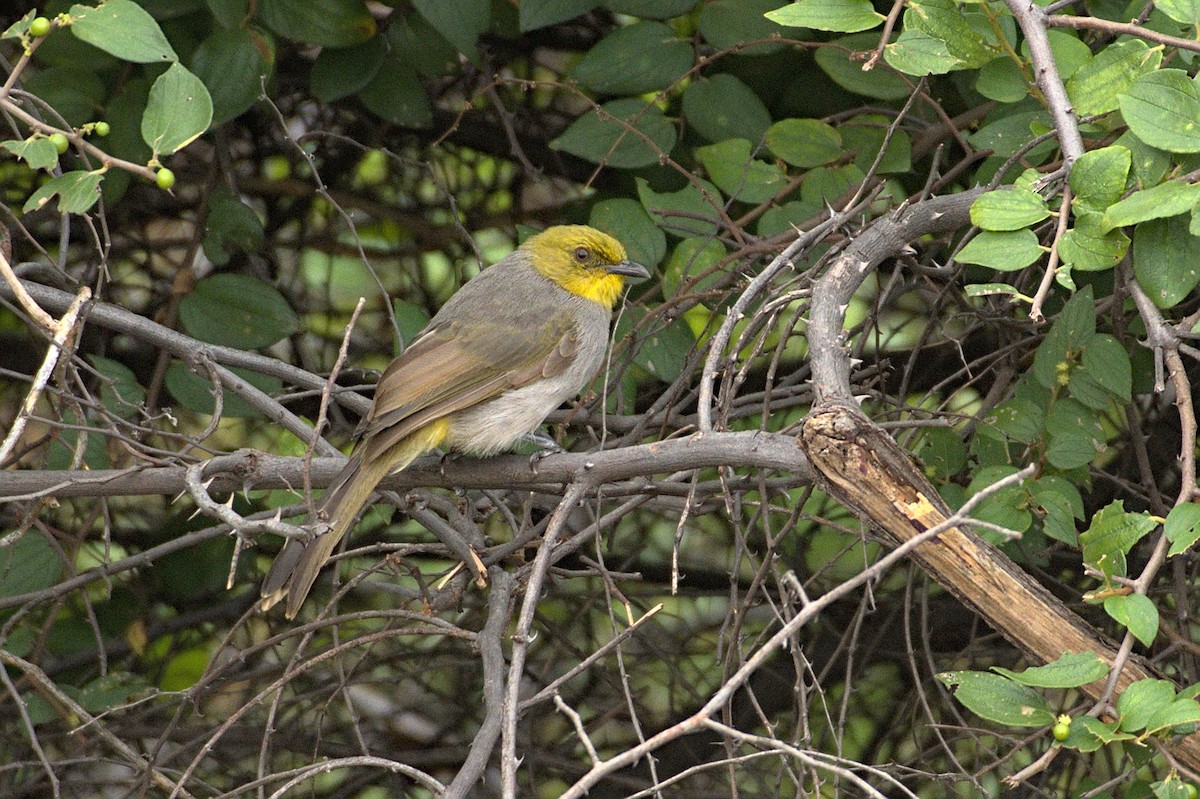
pixel 389 150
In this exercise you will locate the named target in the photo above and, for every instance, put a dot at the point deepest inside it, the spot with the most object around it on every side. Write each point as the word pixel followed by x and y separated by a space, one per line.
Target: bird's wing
pixel 452 366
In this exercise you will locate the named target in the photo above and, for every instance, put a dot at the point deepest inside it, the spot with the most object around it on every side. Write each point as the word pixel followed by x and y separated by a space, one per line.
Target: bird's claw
pixel 446 458
pixel 546 446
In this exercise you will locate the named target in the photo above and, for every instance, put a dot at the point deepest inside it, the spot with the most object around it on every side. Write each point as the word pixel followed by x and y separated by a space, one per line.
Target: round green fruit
pixel 60 142
pixel 39 27
pixel 102 128
pixel 1061 730
pixel 164 178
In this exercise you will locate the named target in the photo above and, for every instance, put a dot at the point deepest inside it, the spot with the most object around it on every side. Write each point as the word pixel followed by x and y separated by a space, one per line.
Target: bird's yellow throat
pixel 602 287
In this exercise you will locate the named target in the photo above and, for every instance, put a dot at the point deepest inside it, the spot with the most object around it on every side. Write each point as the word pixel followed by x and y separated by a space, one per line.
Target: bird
pixel 510 346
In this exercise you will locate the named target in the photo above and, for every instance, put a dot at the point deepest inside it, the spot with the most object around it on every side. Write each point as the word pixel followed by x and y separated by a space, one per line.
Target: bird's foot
pixel 446 457
pixel 546 446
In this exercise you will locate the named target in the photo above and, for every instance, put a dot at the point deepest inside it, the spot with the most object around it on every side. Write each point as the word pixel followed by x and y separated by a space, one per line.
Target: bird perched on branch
pixel 509 347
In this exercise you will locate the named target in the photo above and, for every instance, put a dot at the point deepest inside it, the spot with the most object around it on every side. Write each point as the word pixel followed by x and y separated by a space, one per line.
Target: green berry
pixel 1191 790
pixel 164 178
pixel 102 128
pixel 39 27
pixel 1061 730
pixel 60 142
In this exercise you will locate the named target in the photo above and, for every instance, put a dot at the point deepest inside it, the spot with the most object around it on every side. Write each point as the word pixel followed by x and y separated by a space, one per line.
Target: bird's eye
pixel 582 254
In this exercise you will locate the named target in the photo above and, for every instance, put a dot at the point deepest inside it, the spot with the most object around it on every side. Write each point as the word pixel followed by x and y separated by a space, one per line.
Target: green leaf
pixel 73 92
pixel 1085 388
pixel 178 112
pixel 1089 248
pixel 878 84
pixel 1089 734
pixel 665 351
pixel 461 22
pixel 1001 79
pixel 1113 530
pixel 1166 199
pixel 1182 713
pixel 536 14
pixel 604 137
pixel 737 174
pixel 424 49
pixel 1069 52
pixel 232 64
pixel 722 107
pixel 28 564
pixel 1150 164
pixel 237 311
pixel 972 44
pixel 685 212
pixel 1062 505
pixel 1072 670
pixel 866 135
pixel 232 226
pixel 38 151
pixel 21 26
pixel 1138 703
pixel 1163 110
pixel 105 693
pixel 1074 327
pixel 342 71
pixel 628 220
pixel 643 57
pixel 691 258
pixel 184 669
pixel 918 54
pixel 124 29
pixel 1186 12
pixel 1071 450
pixel 1006 507
pixel 397 95
pixel 730 23
pixel 1075 434
pixel 1166 260
pixel 1095 87
pixel 1010 133
pixel 779 218
pixel 1107 362
pixel 827 184
pixel 839 16
pixel 942 451
pixel 1182 527
pixel 998 699
pixel 77 192
pixel 652 9
pixel 1008 209
pixel 329 23
pixel 195 393
pixel 1098 178
pixel 120 393
pixel 1007 251
pixel 229 13
pixel 1018 418
pixel 804 142
pixel 410 319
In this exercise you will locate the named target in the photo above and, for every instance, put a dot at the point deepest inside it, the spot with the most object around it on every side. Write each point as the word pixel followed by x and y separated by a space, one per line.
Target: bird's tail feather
pixel 296 566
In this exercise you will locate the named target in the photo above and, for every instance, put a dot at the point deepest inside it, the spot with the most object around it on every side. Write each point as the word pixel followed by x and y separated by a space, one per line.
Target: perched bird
pixel 508 348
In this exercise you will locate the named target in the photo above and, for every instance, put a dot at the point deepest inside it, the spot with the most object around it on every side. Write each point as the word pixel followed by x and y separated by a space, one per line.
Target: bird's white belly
pixel 497 425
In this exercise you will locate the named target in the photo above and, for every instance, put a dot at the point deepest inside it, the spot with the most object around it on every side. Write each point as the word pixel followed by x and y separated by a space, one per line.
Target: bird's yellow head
pixel 583 261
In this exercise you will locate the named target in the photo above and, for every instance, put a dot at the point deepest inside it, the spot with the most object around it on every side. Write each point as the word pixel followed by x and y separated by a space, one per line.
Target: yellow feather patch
pixel 601 287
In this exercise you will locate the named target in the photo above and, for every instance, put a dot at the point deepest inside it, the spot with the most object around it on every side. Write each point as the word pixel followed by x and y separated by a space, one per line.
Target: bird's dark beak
pixel 630 269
